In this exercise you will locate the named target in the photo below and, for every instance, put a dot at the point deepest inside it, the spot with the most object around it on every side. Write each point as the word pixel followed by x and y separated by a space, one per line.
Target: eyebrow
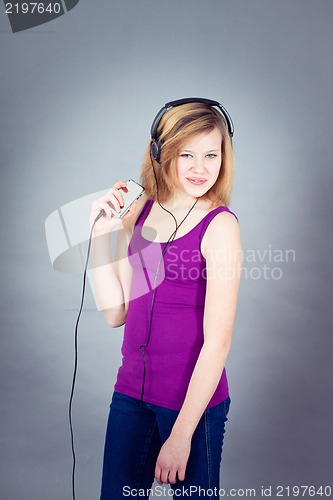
pixel 210 151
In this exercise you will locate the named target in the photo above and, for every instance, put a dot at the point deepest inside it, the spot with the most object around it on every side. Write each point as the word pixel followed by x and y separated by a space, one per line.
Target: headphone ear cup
pixel 155 150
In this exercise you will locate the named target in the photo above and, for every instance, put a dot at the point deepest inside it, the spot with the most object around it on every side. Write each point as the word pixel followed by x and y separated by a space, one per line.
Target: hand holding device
pixel 118 203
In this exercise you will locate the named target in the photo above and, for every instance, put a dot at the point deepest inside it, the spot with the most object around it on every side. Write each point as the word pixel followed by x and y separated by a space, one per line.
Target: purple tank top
pixel 176 334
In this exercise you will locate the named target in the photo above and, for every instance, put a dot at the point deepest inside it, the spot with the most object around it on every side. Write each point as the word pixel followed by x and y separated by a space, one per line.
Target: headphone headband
pixel 156 145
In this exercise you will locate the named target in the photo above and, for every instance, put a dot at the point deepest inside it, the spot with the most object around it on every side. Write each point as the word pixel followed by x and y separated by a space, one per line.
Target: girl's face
pixel 199 161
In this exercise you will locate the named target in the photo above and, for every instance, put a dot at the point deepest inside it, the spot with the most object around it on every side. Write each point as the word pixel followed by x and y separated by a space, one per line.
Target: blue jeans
pixel 133 443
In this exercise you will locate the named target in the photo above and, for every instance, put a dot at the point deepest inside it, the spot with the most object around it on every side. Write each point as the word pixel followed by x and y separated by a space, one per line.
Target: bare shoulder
pixel 222 231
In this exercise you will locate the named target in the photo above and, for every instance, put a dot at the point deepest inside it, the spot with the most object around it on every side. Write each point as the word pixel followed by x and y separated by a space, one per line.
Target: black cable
pixel 142 347
pixel 75 353
pixel 168 243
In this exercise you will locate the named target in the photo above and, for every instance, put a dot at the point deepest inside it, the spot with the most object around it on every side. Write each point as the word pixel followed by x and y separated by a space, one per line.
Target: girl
pixel 173 283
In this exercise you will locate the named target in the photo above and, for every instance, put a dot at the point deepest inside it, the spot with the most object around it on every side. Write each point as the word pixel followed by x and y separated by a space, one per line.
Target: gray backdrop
pixel 78 96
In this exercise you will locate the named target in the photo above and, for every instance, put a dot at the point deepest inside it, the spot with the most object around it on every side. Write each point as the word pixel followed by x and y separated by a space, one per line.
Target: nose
pixel 198 165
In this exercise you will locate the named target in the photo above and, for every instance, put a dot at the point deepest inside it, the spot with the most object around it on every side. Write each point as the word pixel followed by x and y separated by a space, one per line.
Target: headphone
pixel 156 144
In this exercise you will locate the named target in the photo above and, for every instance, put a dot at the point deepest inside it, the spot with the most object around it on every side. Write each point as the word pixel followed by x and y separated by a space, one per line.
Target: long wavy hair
pixel 178 125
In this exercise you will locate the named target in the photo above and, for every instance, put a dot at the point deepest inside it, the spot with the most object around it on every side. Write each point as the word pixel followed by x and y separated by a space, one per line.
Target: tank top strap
pixel 210 216
pixel 202 226
pixel 144 213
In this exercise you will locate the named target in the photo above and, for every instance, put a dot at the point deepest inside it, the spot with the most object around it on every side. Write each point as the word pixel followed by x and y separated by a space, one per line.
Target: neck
pixel 179 200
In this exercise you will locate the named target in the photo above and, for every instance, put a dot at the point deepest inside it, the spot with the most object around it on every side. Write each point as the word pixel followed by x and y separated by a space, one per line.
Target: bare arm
pixel 222 250
pixel 108 287
pixel 223 261
pixel 113 274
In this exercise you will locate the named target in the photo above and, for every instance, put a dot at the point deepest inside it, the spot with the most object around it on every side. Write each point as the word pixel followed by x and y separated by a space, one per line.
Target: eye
pixel 211 155
pixel 185 155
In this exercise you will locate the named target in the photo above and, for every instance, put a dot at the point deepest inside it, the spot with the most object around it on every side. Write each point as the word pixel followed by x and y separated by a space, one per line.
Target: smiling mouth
pixel 197 181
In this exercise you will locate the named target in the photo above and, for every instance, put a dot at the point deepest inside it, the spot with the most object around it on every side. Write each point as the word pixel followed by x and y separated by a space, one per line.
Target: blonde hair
pixel 178 125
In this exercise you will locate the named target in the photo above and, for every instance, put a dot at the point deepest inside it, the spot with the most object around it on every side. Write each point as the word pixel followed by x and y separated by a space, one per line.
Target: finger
pixel 157 474
pixel 133 206
pixel 172 476
pixel 115 198
pixel 164 475
pixel 106 207
pixel 114 192
pixel 181 474
pixel 117 194
pixel 131 210
pixel 105 204
pixel 121 185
